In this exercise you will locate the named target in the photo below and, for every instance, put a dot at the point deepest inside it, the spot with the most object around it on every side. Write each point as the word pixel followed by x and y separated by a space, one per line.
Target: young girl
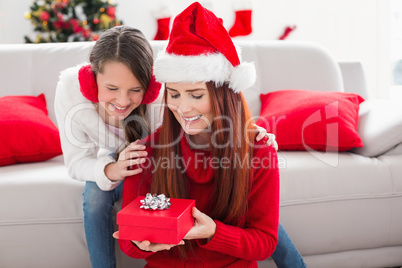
pixel 93 104
pixel 206 143
pixel 98 108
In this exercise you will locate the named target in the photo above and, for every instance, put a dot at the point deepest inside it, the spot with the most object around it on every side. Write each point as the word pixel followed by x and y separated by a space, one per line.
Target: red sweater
pixel 231 246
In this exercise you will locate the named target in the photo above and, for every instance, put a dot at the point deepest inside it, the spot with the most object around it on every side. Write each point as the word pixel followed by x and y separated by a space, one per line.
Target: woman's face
pixel 190 105
pixel 119 91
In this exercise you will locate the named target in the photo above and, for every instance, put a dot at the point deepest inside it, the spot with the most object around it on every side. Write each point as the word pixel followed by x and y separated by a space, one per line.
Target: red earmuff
pixel 88 86
pixel 153 90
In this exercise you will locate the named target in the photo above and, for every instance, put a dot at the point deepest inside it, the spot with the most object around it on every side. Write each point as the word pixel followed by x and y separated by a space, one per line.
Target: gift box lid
pixel 170 218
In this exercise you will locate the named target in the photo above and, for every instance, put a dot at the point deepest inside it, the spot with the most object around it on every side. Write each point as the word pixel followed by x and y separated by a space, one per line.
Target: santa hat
pixel 201 50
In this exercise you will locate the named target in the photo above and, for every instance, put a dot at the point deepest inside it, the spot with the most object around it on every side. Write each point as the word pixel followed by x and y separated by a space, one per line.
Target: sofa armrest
pixel 380 127
pixel 353 77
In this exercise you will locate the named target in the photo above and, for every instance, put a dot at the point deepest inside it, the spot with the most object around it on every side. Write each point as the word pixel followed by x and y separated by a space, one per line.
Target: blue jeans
pixel 99 225
pixel 286 254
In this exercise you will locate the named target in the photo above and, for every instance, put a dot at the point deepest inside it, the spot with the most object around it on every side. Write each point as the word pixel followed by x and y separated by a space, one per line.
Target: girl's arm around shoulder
pixel 265 158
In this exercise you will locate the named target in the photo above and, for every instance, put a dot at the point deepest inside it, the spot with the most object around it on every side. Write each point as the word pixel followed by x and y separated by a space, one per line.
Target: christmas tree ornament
pixel 243 19
pixel 70 20
pixel 27 15
pixel 162 16
pixel 287 31
pixel 105 20
pixel 111 11
pixel 44 16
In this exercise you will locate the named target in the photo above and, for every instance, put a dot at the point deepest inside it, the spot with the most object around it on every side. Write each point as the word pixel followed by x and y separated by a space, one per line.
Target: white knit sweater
pixel 86 140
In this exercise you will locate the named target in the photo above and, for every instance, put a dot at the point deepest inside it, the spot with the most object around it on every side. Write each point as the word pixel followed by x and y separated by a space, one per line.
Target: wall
pixel 352 30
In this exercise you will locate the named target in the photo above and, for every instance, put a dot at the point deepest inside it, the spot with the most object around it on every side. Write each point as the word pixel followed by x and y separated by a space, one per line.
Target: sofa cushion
pixel 28 135
pixel 37 186
pixel 342 201
pixel 312 120
pixel 380 127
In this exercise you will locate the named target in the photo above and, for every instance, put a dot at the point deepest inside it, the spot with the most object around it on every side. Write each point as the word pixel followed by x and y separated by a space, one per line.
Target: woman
pixel 99 106
pixel 208 128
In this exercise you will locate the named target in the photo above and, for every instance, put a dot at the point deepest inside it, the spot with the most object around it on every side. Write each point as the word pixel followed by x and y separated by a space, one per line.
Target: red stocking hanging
pixel 286 32
pixel 242 24
pixel 163 29
pixel 163 21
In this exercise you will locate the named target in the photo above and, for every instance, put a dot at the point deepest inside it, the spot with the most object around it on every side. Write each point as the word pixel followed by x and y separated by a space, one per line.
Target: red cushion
pixel 27 133
pixel 312 120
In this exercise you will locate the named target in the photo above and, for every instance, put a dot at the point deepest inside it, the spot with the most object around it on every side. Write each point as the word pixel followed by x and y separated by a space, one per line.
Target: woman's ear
pixel 88 86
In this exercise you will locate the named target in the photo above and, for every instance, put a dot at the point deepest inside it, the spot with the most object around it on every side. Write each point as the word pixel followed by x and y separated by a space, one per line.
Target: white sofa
pixel 341 210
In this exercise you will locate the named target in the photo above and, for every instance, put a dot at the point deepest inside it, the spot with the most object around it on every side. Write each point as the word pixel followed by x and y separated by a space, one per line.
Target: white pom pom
pixel 242 77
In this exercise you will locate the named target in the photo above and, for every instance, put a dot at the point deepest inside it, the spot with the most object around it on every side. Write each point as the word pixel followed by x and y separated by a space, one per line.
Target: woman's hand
pixel 148 246
pixel 154 247
pixel 132 155
pixel 204 226
pixel 271 137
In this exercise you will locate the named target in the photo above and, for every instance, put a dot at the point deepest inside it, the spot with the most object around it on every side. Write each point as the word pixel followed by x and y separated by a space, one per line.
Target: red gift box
pixel 168 226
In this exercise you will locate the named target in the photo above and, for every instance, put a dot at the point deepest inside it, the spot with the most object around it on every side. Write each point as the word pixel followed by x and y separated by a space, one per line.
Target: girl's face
pixel 190 105
pixel 119 91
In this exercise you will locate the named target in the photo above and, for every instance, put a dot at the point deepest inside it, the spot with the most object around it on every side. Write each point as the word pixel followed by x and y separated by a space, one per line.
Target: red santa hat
pixel 201 50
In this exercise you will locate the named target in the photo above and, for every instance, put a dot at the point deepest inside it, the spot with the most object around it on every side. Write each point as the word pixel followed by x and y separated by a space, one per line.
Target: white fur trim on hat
pixel 243 76
pixel 203 68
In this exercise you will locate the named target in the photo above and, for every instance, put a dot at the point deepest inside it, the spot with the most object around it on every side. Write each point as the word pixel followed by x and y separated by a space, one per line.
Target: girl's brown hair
pixel 129 46
pixel 229 200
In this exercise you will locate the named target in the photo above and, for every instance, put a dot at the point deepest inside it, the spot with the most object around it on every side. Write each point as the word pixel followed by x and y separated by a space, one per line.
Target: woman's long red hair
pixel 229 200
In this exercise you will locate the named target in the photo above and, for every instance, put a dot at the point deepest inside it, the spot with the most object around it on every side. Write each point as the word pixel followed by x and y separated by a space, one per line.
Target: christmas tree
pixel 70 20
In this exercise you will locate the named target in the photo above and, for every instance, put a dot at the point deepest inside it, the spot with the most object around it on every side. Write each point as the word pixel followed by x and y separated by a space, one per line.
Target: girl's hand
pixel 148 246
pixel 204 226
pixel 132 155
pixel 271 137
